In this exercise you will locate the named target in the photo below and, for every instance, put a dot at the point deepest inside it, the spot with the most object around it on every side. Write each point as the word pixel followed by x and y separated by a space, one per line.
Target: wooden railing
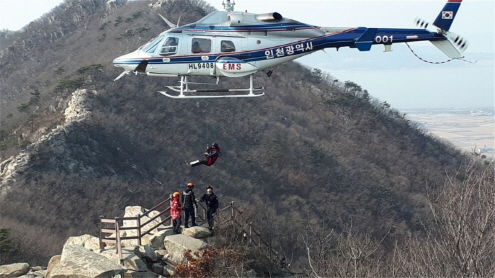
pixel 114 226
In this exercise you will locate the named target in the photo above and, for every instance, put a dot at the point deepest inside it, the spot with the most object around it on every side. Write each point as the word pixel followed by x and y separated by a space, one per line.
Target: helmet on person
pixel 215 145
pixel 190 184
pixel 176 194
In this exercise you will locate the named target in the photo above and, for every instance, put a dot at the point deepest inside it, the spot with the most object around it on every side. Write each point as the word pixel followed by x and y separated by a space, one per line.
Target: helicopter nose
pixel 119 62
pixel 126 62
pixel 129 61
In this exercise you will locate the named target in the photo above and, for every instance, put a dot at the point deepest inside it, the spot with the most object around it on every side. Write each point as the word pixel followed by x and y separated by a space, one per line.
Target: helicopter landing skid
pixel 184 89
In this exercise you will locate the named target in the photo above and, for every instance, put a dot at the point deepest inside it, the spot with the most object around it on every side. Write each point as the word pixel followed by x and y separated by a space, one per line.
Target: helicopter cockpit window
pixel 151 47
pixel 201 45
pixel 227 46
pixel 169 47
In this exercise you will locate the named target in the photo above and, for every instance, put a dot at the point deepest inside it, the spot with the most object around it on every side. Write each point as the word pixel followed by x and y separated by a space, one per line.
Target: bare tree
pixel 461 239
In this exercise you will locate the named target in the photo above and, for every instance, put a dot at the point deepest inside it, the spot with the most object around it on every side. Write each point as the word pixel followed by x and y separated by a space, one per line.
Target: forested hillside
pixel 314 152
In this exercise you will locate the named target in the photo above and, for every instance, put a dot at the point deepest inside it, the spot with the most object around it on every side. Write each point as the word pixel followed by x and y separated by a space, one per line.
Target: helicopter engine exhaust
pixel 270 17
pixel 239 19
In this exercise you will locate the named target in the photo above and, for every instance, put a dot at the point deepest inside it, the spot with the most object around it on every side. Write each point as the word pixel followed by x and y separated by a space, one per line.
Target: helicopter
pixel 234 44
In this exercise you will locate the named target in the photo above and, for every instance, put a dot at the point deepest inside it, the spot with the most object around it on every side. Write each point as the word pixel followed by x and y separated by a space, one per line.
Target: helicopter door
pixel 203 62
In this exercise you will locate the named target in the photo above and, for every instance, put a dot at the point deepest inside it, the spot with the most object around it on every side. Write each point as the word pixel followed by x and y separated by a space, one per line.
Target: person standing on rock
pixel 211 202
pixel 189 203
pixel 175 209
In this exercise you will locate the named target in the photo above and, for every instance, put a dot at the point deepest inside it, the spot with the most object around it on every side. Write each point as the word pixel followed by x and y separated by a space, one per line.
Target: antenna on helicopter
pixel 229 7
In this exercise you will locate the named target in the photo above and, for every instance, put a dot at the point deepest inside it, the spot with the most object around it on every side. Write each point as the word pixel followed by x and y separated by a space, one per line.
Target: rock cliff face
pixel 55 141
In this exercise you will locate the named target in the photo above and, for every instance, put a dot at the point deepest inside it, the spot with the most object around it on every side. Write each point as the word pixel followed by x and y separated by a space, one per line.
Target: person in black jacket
pixel 211 202
pixel 189 203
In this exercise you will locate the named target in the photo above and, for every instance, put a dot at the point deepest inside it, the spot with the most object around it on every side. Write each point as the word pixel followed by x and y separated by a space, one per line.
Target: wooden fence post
pixel 101 233
pixel 117 235
pixel 139 229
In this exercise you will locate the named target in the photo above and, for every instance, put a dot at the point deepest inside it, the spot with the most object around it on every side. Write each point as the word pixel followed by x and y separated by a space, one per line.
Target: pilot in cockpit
pixel 171 42
pixel 170 46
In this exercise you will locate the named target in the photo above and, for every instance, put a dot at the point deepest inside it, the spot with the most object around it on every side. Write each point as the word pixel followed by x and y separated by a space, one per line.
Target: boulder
pixel 160 254
pixel 146 253
pixel 197 232
pixel 133 262
pixel 14 270
pixel 87 241
pixel 34 274
pixel 79 262
pixel 168 271
pixel 157 268
pixel 52 263
pixel 156 240
pixel 111 253
pixel 176 245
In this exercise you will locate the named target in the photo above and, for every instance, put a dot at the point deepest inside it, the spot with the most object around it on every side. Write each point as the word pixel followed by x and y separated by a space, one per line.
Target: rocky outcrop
pixel 197 232
pixel 56 141
pixel 157 239
pixel 52 263
pixel 176 245
pixel 79 106
pixel 77 261
pixel 113 4
pixel 14 270
pixel 87 241
pixel 82 256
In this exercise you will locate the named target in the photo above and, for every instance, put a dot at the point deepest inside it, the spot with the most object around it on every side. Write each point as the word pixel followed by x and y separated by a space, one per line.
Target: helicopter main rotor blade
pixel 170 24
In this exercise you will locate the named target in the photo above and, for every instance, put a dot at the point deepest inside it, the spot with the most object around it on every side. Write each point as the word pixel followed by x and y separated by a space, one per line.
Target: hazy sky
pixel 397 77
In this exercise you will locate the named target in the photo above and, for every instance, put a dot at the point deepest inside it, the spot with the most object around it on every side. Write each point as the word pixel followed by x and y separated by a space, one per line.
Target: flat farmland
pixel 466 129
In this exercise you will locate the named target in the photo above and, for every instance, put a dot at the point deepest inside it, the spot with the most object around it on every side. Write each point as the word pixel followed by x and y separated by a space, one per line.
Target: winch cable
pixel 436 63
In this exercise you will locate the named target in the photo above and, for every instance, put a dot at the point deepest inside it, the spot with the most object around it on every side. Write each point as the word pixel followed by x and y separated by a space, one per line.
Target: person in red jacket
pixel 211 155
pixel 175 209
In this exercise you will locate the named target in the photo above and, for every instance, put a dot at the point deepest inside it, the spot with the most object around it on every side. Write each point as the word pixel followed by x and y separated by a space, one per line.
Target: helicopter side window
pixel 227 46
pixel 201 45
pixel 170 46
